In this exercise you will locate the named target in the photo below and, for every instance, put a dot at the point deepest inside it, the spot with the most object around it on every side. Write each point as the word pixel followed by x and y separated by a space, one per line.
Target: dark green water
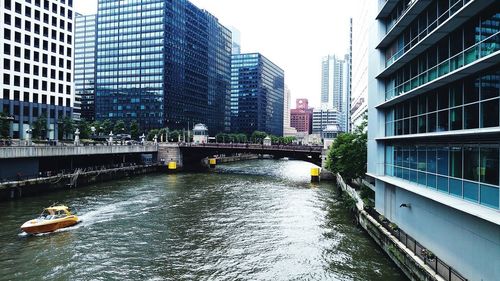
pixel 256 220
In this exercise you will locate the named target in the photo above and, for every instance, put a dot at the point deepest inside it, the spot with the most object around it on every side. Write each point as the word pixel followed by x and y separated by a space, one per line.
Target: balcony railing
pixel 430 27
pixel 403 13
pixel 473 53
pixel 438 265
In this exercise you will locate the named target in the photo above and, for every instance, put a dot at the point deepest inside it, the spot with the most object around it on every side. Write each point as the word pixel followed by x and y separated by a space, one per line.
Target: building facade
pixel 434 87
pixel 301 118
pixel 85 35
pixel 236 41
pixel 165 66
pixel 287 129
pixel 323 118
pixel 360 27
pixel 257 95
pixel 37 64
pixel 335 86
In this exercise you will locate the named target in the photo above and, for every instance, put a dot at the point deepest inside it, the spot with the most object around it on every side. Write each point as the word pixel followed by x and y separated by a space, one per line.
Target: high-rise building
pixel 236 41
pixel 287 129
pixel 334 86
pixel 162 63
pixel 85 30
pixel 360 27
pixel 348 96
pixel 433 149
pixel 301 116
pixel 257 95
pixel 37 64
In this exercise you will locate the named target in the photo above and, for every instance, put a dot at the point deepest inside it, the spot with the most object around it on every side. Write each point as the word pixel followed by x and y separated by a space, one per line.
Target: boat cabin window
pixel 60 214
pixel 46 215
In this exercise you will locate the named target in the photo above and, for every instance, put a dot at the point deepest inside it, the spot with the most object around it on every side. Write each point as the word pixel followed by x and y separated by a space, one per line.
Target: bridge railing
pixel 252 146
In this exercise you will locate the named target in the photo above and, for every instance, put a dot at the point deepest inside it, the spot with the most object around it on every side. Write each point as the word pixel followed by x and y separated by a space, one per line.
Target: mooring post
pixel 315 174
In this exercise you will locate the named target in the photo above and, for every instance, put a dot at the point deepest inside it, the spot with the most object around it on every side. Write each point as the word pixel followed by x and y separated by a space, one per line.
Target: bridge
pixel 191 153
pixel 30 161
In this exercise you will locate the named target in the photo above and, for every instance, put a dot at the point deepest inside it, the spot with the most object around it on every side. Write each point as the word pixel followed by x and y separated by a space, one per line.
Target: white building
pixel 434 127
pixel 200 134
pixel 37 63
pixel 287 129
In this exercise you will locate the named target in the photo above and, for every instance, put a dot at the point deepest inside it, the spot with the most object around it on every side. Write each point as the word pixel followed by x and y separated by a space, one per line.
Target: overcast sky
pixel 294 34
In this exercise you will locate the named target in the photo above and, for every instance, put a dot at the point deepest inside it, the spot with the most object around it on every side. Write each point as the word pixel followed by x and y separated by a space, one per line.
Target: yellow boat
pixel 51 219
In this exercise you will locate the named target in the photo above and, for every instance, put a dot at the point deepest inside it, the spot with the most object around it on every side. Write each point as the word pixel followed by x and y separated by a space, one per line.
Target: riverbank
pixel 417 262
pixel 17 189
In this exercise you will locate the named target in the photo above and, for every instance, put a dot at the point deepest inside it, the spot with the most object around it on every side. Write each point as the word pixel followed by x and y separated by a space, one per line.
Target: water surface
pixel 255 220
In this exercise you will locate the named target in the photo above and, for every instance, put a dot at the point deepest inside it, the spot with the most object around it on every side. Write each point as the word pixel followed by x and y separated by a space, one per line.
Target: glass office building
pixel 162 63
pixel 85 28
pixel 257 95
pixel 434 126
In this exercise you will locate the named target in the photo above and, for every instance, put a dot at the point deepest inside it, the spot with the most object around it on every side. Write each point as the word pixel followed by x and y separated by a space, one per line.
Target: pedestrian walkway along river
pixel 253 220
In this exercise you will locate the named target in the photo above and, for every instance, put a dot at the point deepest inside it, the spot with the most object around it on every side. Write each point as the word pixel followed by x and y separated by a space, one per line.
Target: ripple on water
pixel 255 220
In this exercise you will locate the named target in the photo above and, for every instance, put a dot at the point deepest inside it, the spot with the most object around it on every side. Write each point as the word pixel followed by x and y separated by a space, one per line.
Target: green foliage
pixel 107 127
pixel 152 134
pixel 162 133
pixel 119 127
pixel 347 155
pixel 4 125
pixel 258 136
pixel 40 127
pixel 173 136
pixel 289 140
pixel 97 126
pixel 242 138
pixel 134 130
pixel 222 138
pixel 66 128
pixel 84 127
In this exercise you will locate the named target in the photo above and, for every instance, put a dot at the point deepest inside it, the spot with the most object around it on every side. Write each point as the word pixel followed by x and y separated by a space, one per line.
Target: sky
pixel 294 34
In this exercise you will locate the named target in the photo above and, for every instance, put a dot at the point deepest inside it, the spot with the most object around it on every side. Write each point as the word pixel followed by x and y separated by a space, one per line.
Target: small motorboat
pixel 51 219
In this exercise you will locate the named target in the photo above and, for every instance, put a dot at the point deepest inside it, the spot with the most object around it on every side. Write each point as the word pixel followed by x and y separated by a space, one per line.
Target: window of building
pixel 6 64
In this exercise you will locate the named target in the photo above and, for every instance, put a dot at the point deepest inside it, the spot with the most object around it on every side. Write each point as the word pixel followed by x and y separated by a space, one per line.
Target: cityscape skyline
pixel 300 45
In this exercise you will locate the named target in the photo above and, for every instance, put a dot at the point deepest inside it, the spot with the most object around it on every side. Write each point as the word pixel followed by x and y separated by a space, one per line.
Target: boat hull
pixel 36 227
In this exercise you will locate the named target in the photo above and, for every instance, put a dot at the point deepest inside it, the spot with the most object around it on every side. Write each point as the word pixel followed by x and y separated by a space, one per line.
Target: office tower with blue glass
pixel 257 95
pixel 85 28
pixel 162 63
pixel 434 130
pixel 36 67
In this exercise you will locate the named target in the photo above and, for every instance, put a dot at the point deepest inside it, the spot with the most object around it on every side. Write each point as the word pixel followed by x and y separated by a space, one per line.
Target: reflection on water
pixel 255 220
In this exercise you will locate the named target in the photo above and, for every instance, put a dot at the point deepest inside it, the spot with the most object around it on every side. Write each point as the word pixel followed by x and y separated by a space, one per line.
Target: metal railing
pixel 65 172
pixel 473 53
pixel 430 27
pixel 438 265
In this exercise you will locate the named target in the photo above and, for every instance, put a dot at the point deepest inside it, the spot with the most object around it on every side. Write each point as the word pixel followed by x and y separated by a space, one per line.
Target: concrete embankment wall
pixel 413 267
pixel 18 189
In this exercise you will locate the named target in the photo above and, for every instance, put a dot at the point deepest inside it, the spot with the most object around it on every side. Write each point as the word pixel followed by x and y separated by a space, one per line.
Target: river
pixel 253 220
